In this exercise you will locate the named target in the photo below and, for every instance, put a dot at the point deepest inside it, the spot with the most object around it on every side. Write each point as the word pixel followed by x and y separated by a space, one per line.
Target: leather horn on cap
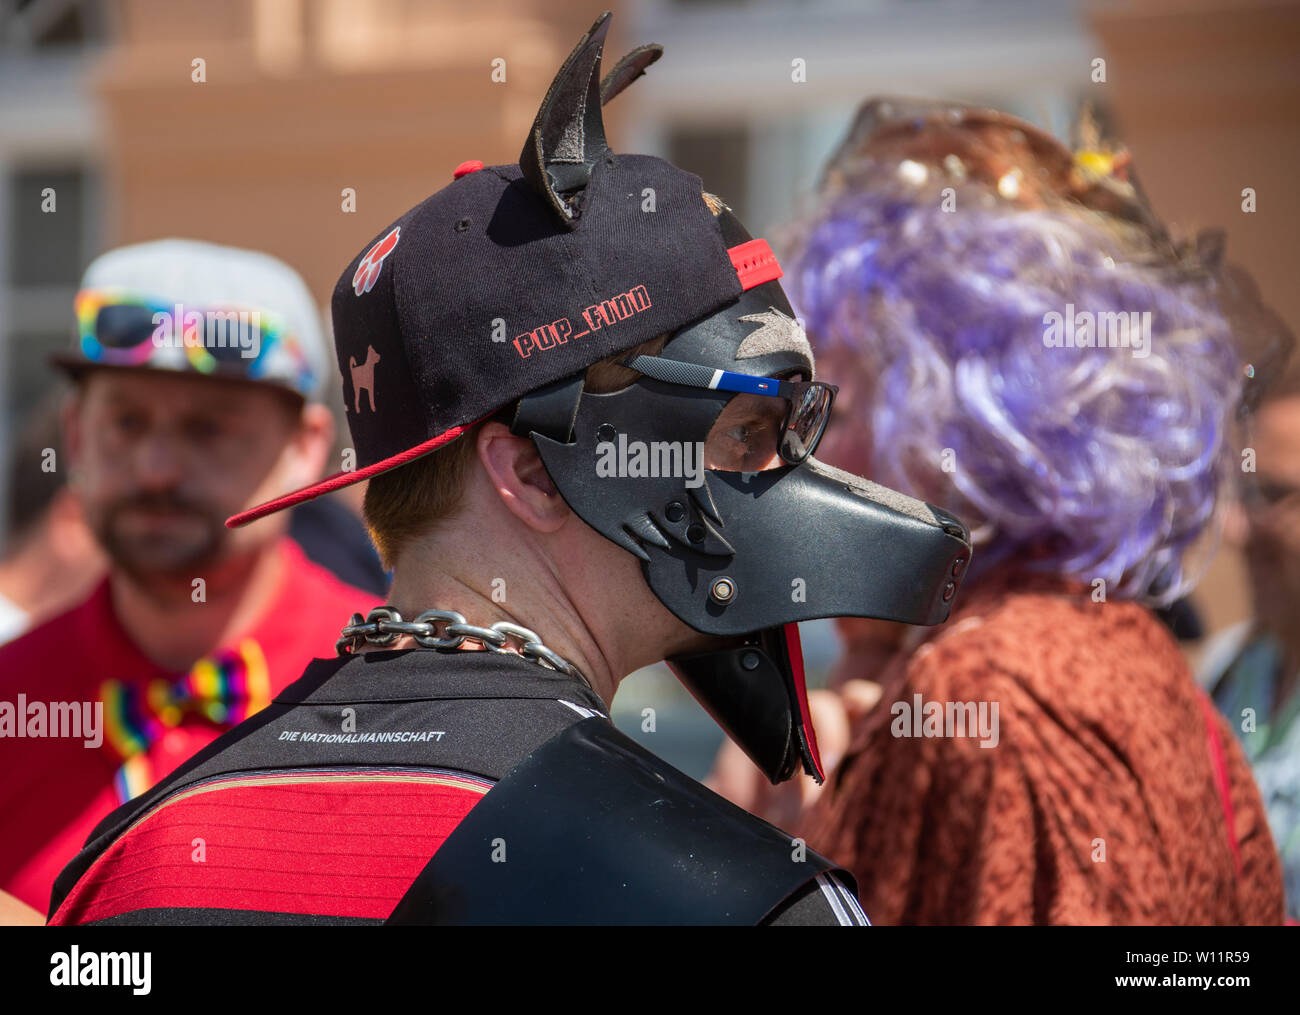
pixel 568 135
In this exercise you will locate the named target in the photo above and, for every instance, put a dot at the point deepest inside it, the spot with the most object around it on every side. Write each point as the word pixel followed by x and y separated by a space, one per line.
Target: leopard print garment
pixel 1098 804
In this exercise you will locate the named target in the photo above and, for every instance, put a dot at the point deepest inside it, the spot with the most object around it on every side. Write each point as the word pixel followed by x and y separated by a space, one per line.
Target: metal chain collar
pixel 384 625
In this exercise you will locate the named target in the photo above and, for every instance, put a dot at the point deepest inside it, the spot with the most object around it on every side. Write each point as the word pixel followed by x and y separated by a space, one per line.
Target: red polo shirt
pixel 56 788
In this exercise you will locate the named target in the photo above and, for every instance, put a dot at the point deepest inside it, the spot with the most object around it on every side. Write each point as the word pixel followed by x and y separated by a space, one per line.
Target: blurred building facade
pixel 303 102
pixel 250 122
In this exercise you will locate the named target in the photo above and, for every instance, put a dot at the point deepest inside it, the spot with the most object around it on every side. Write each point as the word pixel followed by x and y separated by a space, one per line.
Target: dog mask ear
pixel 568 135
pixel 628 70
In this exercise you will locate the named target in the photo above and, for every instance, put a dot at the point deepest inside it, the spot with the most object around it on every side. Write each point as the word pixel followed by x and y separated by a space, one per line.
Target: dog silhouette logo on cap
pixel 363 378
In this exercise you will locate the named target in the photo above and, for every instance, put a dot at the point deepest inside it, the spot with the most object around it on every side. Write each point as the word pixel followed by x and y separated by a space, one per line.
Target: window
pixel 51 24
pixel 719 156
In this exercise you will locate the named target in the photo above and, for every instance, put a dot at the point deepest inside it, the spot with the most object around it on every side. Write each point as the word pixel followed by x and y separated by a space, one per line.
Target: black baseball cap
pixel 515 276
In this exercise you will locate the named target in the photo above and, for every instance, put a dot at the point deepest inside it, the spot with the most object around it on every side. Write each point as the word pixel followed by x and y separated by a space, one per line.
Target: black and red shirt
pixel 325 807
pixel 82 664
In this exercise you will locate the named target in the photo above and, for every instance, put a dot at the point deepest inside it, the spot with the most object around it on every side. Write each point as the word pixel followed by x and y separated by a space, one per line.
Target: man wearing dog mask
pixel 534 361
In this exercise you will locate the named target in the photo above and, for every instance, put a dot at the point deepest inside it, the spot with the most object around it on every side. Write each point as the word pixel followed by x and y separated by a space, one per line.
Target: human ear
pixel 516 473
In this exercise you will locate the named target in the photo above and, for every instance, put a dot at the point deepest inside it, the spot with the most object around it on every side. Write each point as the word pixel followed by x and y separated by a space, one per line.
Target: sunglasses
pixel 119 328
pixel 809 401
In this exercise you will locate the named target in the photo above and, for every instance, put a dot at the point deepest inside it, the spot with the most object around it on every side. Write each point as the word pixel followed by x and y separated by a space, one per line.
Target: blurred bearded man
pixel 197 373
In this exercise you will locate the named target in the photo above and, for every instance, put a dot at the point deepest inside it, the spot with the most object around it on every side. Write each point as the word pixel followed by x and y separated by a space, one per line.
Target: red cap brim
pixel 342 479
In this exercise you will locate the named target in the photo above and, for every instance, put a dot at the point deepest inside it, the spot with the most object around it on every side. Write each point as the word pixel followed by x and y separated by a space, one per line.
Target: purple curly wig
pixel 1084 462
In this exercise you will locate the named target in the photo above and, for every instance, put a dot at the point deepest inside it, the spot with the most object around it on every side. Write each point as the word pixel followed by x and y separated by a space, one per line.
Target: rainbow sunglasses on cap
pixel 118 327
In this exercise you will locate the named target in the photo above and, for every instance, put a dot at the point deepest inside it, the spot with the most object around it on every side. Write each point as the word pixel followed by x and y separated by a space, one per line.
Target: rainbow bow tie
pixel 224 688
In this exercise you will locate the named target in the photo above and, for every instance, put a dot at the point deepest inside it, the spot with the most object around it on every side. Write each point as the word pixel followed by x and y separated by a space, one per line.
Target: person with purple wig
pixel 1018 340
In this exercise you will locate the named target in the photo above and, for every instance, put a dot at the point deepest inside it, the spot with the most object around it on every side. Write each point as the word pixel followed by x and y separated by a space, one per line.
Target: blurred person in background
pixel 184 412
pixel 50 556
pixel 945 254
pixel 1253 669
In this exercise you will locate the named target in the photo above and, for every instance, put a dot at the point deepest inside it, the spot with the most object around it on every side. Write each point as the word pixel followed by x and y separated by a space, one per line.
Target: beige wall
pixel 303 99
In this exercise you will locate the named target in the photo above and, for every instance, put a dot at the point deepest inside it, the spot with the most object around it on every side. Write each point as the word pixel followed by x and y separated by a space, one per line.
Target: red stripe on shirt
pixel 333 843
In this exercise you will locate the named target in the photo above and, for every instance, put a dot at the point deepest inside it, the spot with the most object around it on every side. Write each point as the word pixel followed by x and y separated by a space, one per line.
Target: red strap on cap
pixel 471 166
pixel 754 263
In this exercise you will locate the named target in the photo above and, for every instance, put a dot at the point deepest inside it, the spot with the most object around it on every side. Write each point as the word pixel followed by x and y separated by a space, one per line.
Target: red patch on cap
pixel 754 263
pixel 470 166
pixel 368 270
